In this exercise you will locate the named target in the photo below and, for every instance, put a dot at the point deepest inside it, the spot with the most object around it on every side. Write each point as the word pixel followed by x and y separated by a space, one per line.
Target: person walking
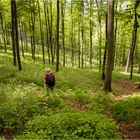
pixel 49 80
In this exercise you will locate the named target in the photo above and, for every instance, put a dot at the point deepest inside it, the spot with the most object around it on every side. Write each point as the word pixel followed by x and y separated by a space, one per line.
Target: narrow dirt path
pixel 75 105
pixel 125 89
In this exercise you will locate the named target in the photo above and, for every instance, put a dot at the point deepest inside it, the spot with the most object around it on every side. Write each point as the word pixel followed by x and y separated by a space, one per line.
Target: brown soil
pixel 128 131
pixel 125 88
pixel 75 105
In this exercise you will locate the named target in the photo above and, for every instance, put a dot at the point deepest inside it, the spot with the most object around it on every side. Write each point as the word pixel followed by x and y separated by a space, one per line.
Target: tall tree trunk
pixel 13 33
pixel 133 41
pixel 21 38
pixel 110 38
pixel 82 35
pixel 115 34
pixel 100 34
pixel 51 28
pixel 63 31
pixel 3 32
pixel 41 32
pixel 127 63
pixel 105 52
pixel 47 35
pixel 32 30
pixel 31 39
pixel 72 37
pixel 26 40
pixel 14 15
pixel 79 47
pixel 57 38
pixel 91 32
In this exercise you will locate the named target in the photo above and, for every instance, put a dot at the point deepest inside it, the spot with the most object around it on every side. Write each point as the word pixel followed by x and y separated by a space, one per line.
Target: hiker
pixel 49 80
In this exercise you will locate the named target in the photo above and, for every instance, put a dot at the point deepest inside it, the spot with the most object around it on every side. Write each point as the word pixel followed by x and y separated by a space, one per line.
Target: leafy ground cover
pixel 77 108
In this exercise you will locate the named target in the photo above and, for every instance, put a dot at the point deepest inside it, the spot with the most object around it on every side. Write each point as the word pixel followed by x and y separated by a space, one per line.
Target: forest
pixel 93 49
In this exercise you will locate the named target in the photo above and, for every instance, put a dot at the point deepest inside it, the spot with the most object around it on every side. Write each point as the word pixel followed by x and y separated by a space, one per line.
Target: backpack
pixel 50 80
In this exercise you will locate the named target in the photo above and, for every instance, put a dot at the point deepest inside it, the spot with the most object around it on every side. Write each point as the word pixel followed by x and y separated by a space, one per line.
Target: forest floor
pixel 124 89
pixel 78 90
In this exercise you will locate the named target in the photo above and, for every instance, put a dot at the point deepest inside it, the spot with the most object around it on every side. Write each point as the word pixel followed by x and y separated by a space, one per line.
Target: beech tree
pixel 110 43
pixel 15 39
pixel 57 38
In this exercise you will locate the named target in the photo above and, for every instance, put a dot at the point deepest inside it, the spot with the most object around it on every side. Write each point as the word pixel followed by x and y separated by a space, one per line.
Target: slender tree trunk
pixel 82 35
pixel 41 32
pixel 123 56
pixel 14 15
pixel 21 38
pixel 133 41
pixel 31 39
pixel 51 28
pixel 82 51
pixel 110 38
pixel 57 38
pixel 91 32
pixel 105 52
pixel 72 38
pixel 115 34
pixel 47 36
pixel 127 63
pixel 63 31
pixel 79 47
pixel 3 32
pixel 26 40
pixel 13 32
pixel 100 34
pixel 32 30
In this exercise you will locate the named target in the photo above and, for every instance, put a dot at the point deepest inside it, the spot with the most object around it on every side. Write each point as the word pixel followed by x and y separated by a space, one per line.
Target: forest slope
pixel 78 107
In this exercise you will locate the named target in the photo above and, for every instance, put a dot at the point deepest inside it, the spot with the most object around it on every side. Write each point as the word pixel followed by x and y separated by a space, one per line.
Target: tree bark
pixel 14 16
pixel 13 33
pixel 63 30
pixel 50 31
pixel 82 35
pixel 57 38
pixel 47 35
pixel 72 38
pixel 3 32
pixel 100 33
pixel 110 38
pixel 105 53
pixel 21 38
pixel 91 32
pixel 79 47
pixel 133 41
pixel 41 32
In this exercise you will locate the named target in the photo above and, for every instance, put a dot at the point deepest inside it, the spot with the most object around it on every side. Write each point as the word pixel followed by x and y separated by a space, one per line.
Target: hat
pixel 47 69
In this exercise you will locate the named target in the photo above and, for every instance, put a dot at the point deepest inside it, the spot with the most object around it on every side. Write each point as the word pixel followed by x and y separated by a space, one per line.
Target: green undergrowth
pixel 128 110
pixel 27 112
pixel 70 126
